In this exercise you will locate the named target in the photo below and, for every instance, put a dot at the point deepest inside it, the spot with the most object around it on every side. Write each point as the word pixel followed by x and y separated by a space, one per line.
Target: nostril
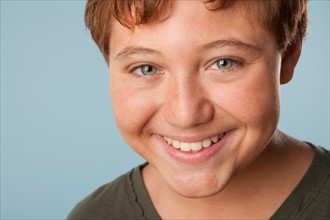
pixel 187 103
pixel 188 114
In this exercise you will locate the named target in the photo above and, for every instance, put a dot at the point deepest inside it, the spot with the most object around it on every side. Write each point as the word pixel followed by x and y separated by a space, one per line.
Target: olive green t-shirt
pixel 127 198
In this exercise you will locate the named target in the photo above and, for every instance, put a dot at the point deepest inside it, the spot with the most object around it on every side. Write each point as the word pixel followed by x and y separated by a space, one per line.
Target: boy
pixel 195 91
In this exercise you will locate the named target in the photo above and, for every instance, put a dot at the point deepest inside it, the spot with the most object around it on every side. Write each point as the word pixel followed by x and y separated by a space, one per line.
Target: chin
pixel 198 186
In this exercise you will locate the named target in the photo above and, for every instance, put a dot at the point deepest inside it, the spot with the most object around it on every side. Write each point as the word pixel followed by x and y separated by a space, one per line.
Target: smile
pixel 194 146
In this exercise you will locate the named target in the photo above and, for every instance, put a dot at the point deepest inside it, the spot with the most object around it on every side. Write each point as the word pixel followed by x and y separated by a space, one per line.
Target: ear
pixel 290 59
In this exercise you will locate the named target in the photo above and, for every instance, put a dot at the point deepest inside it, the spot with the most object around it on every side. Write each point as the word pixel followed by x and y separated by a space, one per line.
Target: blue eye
pixel 145 70
pixel 223 64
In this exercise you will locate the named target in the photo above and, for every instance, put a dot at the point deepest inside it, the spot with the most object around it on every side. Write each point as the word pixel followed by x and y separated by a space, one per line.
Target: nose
pixel 187 104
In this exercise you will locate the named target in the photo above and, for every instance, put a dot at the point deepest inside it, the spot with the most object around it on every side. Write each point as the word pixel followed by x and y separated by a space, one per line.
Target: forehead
pixel 190 24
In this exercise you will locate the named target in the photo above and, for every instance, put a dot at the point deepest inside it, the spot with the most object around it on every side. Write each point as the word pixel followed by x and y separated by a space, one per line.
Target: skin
pixel 189 98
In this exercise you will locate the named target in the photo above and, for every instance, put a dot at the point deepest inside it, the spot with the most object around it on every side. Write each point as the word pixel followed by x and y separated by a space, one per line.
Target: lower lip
pixel 194 157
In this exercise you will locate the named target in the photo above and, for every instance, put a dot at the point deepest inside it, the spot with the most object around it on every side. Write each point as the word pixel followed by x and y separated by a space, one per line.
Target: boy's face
pixel 195 76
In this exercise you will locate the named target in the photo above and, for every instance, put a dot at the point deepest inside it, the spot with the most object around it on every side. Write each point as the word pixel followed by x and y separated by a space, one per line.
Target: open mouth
pixel 194 146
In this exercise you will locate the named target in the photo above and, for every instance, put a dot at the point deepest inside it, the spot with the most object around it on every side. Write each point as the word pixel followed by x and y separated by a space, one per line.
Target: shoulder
pixel 110 201
pixel 311 198
pixel 315 202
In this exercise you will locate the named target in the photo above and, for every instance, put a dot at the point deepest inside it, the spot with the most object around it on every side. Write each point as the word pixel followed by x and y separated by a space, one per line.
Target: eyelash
pixel 234 64
pixel 136 68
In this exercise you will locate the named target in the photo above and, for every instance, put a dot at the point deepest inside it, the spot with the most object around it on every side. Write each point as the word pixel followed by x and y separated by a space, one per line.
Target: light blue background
pixel 58 136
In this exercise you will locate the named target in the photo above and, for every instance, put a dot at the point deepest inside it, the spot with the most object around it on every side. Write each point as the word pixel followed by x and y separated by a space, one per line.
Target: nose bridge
pixel 187 104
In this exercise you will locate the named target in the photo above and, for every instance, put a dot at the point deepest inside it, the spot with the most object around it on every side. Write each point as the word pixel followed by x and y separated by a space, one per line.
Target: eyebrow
pixel 232 43
pixel 131 50
pixel 135 50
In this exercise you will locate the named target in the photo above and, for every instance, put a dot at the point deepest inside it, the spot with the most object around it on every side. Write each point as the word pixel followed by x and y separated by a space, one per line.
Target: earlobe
pixel 290 59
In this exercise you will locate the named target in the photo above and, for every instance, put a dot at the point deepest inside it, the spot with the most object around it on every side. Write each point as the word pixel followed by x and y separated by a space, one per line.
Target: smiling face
pixel 196 95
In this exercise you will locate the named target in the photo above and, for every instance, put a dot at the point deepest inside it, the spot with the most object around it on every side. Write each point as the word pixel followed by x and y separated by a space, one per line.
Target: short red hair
pixel 286 19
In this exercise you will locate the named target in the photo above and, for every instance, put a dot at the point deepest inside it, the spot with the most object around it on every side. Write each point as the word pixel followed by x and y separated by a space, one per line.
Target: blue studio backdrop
pixel 59 140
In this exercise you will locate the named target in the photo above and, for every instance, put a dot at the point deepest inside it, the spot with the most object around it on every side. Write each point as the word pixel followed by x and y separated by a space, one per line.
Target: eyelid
pixel 236 63
pixel 134 67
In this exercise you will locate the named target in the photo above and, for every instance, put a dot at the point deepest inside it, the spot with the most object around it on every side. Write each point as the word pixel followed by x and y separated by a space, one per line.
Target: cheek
pixel 261 105
pixel 255 101
pixel 132 108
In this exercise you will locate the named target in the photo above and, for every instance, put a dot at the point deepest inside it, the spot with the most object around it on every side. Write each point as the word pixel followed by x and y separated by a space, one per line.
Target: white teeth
pixel 185 146
pixel 176 144
pixel 215 139
pixel 194 146
pixel 207 143
pixel 168 140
